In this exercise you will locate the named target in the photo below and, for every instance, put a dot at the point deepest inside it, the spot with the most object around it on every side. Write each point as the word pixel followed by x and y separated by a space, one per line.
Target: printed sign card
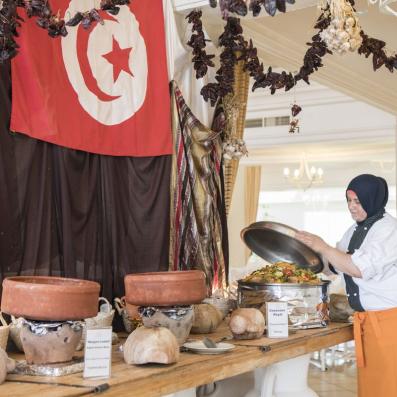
pixel 277 319
pixel 98 353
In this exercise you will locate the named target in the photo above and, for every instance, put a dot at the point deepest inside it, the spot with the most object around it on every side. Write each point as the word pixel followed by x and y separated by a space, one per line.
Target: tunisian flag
pixel 102 90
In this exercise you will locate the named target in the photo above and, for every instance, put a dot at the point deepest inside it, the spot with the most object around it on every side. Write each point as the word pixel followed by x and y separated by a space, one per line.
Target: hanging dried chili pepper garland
pixel 8 30
pixel 341 34
pixel 56 26
pixel 294 121
pixel 46 19
pixel 233 41
pixel 241 8
pixel 201 60
pixel 375 47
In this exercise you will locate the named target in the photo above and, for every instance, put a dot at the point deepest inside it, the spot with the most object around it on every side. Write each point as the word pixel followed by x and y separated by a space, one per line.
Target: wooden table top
pixel 192 370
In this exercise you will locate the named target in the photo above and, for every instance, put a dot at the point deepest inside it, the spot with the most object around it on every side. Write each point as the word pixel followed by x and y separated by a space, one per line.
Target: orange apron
pixel 375 335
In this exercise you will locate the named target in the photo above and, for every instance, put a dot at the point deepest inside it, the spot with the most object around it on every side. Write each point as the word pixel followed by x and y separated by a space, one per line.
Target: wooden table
pixel 191 370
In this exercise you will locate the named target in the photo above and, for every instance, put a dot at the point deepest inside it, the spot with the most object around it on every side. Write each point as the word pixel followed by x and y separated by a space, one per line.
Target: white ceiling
pixel 344 144
pixel 343 136
pixel 281 43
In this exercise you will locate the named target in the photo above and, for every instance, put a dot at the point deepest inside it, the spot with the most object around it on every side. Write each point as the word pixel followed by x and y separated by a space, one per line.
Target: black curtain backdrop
pixel 69 213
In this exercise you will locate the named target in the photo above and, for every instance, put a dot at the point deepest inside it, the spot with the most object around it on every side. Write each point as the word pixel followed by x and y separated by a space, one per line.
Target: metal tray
pixel 275 242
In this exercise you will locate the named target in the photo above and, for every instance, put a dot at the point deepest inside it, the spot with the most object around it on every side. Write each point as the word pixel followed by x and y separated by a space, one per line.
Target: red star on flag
pixel 119 58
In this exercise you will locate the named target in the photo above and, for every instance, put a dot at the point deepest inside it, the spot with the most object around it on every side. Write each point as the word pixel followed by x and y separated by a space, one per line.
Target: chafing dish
pixel 307 303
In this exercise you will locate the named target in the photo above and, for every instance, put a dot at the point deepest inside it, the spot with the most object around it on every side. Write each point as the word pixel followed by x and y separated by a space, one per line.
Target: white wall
pixel 327 116
pixel 343 136
pixel 322 211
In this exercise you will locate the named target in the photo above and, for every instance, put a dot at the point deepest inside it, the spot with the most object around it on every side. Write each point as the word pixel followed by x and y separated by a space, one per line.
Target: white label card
pixel 277 319
pixel 98 353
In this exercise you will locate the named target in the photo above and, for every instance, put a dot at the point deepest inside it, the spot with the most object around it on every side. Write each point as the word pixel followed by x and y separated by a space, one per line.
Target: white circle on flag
pixel 129 90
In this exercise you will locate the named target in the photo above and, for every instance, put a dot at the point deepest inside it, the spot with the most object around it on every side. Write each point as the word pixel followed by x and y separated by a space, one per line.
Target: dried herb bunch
pixel 46 19
pixel 241 8
pixel 201 60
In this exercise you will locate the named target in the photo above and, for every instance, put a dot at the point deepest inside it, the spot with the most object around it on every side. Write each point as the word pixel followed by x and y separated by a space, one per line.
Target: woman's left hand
pixel 316 243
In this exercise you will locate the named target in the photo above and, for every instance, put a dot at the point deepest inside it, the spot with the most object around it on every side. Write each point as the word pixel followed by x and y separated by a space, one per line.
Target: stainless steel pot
pixel 307 303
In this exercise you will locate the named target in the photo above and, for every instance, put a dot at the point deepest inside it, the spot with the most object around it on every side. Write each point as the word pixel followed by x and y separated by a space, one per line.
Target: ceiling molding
pixel 257 109
pixel 278 136
pixel 314 153
pixel 261 101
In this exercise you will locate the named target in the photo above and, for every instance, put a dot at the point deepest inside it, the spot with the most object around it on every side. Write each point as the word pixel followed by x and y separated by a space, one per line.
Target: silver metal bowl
pixel 276 242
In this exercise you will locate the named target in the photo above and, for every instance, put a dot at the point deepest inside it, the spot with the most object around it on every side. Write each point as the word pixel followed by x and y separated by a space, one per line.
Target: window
pixel 276 121
pixel 253 123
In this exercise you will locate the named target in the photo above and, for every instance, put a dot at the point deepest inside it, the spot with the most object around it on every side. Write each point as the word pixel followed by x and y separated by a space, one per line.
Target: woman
pixel 367 257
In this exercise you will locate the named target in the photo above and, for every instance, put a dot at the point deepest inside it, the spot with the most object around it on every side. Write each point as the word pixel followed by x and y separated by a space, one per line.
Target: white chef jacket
pixel 377 260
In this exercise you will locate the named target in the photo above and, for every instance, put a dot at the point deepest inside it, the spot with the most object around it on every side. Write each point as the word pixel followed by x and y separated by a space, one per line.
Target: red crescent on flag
pixel 82 48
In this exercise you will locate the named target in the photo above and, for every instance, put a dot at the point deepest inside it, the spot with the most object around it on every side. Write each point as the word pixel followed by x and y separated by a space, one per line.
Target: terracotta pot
pixel 50 298
pixel 165 288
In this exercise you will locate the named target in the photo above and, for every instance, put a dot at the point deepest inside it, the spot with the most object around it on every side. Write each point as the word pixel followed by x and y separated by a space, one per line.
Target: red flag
pixel 102 90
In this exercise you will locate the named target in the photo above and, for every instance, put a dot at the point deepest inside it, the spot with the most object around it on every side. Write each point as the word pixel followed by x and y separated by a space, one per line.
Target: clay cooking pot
pixel 49 298
pixel 165 288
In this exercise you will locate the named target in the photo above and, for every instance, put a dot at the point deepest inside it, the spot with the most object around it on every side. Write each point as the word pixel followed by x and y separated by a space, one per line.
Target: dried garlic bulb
pixel 343 33
pixel 234 149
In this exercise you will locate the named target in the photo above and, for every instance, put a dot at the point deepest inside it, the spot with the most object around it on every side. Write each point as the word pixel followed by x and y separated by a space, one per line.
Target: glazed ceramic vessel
pixel 165 288
pixel 49 298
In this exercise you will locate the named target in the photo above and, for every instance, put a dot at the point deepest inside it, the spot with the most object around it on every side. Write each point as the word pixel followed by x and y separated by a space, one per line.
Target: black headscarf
pixel 372 191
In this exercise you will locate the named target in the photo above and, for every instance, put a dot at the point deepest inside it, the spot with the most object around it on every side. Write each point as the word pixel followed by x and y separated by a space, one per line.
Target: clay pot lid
pixel 168 276
pixel 172 288
pixel 51 282
pixel 50 298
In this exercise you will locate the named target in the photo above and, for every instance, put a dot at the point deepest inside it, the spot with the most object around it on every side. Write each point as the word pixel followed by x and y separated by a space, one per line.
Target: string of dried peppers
pixel 46 19
pixel 232 40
